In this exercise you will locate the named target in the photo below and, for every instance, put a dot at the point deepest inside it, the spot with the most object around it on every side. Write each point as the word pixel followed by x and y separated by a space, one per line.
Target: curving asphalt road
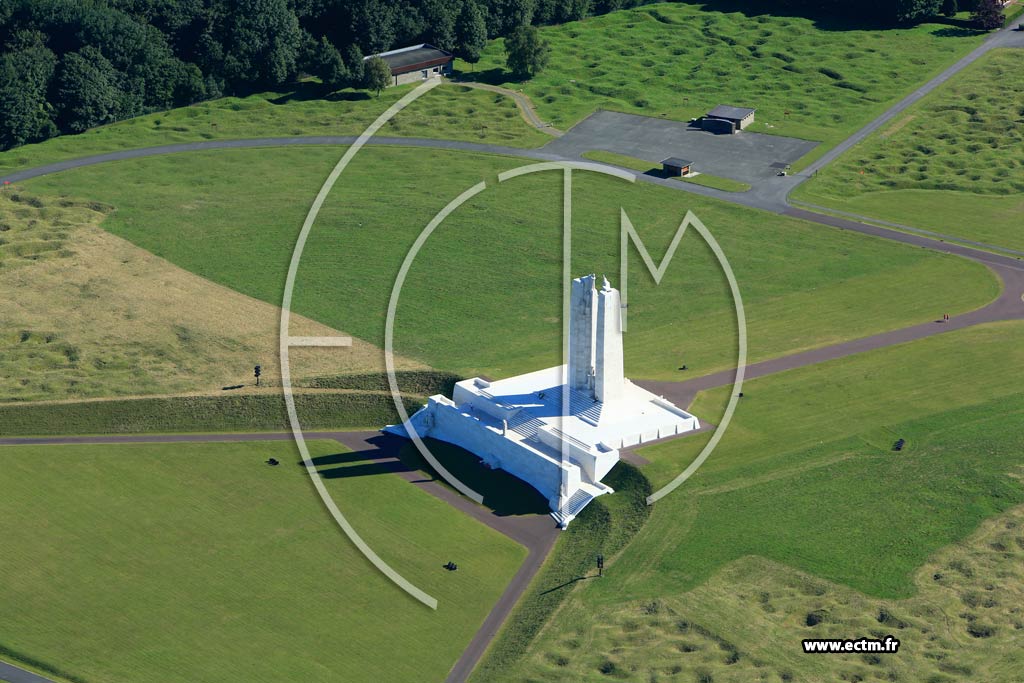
pixel 538 533
pixel 15 674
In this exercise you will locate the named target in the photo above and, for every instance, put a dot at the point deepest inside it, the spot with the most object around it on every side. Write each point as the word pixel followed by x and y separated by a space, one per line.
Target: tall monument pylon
pixel 609 374
pixel 595 339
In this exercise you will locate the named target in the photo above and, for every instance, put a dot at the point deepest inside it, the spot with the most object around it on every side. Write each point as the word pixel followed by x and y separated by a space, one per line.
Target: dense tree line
pixel 68 65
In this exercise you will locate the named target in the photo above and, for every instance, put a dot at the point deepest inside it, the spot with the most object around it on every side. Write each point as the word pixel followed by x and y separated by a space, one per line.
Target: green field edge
pixel 36 154
pixel 993 249
pixel 208 414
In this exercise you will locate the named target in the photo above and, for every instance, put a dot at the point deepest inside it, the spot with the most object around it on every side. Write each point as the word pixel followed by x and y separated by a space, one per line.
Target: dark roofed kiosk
pixel 674 166
pixel 727 119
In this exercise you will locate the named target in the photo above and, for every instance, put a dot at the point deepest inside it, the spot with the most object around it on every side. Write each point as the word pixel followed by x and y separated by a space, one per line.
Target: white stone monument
pixel 558 429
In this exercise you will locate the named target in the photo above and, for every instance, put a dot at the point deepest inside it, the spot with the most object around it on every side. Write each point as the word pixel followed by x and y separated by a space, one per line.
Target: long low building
pixel 416 63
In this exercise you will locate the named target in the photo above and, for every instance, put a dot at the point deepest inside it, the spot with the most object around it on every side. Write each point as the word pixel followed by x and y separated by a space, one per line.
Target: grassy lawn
pixel 954 163
pixel 232 216
pixel 450 111
pixel 620 160
pixel 198 562
pixel 719 183
pixel 805 508
pixel 809 78
pixel 824 433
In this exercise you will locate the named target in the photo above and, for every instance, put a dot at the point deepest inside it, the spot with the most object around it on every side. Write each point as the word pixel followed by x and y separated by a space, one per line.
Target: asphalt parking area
pixel 749 157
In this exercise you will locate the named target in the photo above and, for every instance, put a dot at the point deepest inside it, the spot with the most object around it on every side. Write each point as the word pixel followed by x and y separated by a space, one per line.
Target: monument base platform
pixel 559 440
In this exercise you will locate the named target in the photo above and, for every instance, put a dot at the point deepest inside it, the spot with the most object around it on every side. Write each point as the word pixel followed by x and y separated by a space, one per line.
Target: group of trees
pixel 68 65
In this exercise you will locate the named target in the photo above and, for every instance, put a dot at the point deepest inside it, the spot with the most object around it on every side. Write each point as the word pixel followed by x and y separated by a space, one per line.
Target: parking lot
pixel 749 157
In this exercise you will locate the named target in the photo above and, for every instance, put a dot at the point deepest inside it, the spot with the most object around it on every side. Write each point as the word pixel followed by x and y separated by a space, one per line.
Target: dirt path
pixel 523 101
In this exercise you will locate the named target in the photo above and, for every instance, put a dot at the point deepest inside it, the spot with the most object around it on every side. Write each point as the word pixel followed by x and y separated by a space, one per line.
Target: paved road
pixel 120 155
pixel 15 674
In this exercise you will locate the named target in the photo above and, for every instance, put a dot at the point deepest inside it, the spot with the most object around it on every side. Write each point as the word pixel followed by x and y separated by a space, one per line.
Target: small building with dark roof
pixel 674 166
pixel 416 63
pixel 726 119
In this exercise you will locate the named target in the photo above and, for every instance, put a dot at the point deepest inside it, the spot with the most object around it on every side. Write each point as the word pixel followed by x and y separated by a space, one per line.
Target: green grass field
pixel 805 498
pixel 717 182
pixel 810 448
pixel 746 623
pixel 196 562
pixel 809 78
pixel 87 314
pixel 954 163
pixel 451 111
pixel 232 217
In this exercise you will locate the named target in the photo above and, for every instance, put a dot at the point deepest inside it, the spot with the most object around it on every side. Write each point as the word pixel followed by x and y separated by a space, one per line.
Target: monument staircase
pixel 576 502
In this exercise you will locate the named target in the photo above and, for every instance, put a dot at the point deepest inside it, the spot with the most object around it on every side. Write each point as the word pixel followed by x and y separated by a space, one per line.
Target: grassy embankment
pixel 88 314
pixel 450 112
pixel 805 523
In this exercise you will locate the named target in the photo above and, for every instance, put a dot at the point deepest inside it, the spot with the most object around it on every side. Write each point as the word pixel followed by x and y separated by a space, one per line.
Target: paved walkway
pixel 15 674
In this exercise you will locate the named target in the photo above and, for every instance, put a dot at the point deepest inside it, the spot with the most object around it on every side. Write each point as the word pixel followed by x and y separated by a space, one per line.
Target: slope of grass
pixel 227 412
pixel 814 79
pixel 804 508
pixel 619 160
pixel 450 112
pixel 746 623
pixel 167 563
pixel 604 527
pixel 87 314
pixel 231 216
pixel 954 163
pixel 809 453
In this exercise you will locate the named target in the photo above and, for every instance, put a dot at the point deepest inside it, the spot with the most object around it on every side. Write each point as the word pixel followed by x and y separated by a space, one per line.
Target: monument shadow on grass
pixel 502 492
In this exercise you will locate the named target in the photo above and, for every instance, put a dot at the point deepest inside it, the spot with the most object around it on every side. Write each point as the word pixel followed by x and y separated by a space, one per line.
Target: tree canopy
pixel 527 53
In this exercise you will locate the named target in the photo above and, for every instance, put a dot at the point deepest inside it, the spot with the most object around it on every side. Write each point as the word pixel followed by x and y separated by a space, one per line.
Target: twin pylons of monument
pixel 595 340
